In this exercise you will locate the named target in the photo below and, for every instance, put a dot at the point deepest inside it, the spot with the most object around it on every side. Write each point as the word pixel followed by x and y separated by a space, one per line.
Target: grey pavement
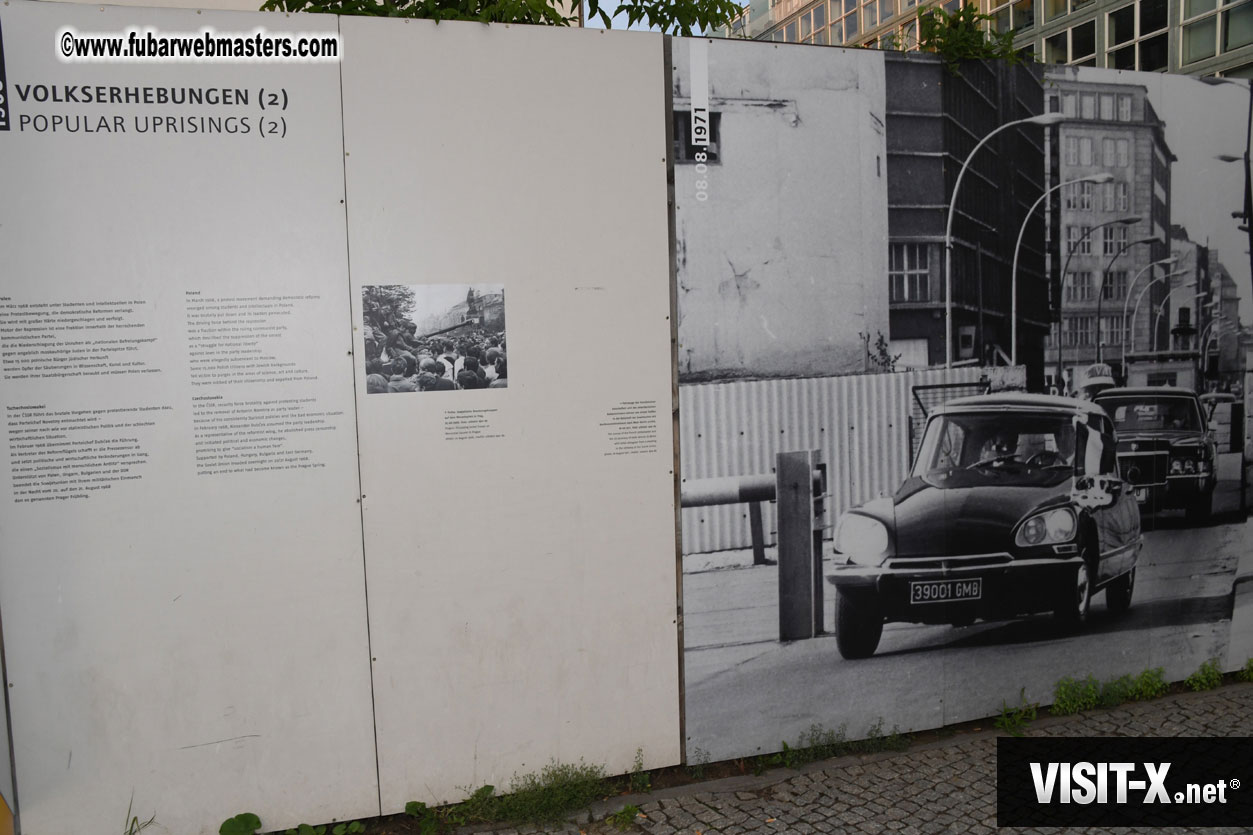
pixel 943 786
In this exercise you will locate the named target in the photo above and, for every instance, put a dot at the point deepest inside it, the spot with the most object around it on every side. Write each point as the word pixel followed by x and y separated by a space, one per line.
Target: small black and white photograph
pixel 986 430
pixel 434 337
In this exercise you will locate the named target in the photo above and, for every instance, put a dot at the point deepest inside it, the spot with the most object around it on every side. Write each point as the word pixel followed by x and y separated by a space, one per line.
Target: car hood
pixel 1161 440
pixel 968 515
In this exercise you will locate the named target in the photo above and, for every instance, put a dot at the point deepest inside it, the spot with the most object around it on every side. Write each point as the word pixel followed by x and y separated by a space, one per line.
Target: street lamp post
pixel 1135 310
pixel 1129 333
pixel 1161 308
pixel 1061 298
pixel 1013 272
pixel 1044 120
pixel 1100 289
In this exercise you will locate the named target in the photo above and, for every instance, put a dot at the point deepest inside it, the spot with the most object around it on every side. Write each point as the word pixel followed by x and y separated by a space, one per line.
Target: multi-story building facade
pixel 1108 238
pixel 1196 37
pixel 1222 344
pixel 933 122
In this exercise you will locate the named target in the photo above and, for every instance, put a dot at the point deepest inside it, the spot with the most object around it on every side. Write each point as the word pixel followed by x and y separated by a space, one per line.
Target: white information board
pixel 519 539
pixel 181 575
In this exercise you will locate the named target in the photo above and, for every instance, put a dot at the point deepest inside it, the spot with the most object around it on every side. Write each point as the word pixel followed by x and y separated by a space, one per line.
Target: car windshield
pixel 1013 447
pixel 1151 413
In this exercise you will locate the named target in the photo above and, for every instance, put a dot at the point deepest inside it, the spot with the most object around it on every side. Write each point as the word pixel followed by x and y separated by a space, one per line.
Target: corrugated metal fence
pixel 861 423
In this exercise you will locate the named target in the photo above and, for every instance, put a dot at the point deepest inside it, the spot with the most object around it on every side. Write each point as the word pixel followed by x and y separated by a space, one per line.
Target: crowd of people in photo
pixel 398 360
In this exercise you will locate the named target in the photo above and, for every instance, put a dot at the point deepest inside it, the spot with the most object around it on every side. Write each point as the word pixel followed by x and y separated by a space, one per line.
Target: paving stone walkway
pixel 947 786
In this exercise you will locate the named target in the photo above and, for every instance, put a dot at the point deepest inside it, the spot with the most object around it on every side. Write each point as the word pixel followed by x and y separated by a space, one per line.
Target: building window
pixel 1078 150
pixel 909 35
pixel 1074 46
pixel 1079 197
pixel 1087 105
pixel 848 26
pixel 1213 27
pixel 1078 240
pixel 1136 36
pixel 684 150
pixel 1113 239
pixel 1109 153
pixel 1114 286
pixel 908 274
pixel 814 25
pixel 1111 330
pixel 1114 198
pixel 1123 157
pixel 1078 287
pixel 1016 15
pixel 1124 107
pixel 1078 331
pixel 870 14
pixel 1083 44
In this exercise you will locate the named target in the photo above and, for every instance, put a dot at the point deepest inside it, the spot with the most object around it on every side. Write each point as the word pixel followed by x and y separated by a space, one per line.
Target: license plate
pixel 945 591
pixel 1142 495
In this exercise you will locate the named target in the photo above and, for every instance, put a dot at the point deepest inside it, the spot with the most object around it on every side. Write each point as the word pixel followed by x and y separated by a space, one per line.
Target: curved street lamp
pixel 1044 120
pixel 1071 250
pixel 1100 290
pixel 1127 334
pixel 1013 272
pixel 1161 308
pixel 1135 310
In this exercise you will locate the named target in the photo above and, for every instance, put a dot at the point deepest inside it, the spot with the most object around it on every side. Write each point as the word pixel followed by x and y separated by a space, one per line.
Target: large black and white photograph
pixel 434 337
pixel 996 438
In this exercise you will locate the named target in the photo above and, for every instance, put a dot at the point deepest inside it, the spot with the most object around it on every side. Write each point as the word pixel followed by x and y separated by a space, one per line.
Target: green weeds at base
pixel 1071 696
pixel 133 825
pixel 1245 673
pixel 1012 720
pixel 245 823
pixel 639 780
pixel 547 797
pixel 624 817
pixel 1208 676
pixel 819 743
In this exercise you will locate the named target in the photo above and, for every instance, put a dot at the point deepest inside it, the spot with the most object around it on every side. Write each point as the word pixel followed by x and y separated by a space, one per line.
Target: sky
pixel 1202 122
pixel 437 299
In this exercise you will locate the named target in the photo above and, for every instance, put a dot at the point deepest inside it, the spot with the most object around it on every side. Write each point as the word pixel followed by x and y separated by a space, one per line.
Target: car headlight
pixel 1047 528
pixel 862 539
pixel 1189 466
pixel 1176 466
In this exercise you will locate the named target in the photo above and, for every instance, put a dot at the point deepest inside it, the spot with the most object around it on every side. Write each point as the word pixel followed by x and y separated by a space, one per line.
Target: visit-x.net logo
pixel 1175 781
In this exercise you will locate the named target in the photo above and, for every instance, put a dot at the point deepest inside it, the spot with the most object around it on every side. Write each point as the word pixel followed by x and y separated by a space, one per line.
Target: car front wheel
pixel 858 623
pixel 1076 601
pixel 1118 593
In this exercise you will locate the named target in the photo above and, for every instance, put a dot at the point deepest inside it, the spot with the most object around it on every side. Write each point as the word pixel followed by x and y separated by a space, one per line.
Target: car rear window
pixel 1153 413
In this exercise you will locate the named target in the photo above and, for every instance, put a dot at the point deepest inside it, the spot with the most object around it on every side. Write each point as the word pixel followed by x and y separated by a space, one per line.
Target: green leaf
pixel 245 823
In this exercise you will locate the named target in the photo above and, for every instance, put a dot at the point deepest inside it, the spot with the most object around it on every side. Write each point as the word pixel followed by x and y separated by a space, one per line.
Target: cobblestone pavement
pixel 938 787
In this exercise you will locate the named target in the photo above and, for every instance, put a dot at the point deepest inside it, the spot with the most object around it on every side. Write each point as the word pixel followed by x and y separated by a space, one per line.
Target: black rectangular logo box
pixel 1124 781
